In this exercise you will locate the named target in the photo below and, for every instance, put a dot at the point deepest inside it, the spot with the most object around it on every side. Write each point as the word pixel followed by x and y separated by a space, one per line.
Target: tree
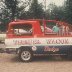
pixel 55 12
pixel 68 11
pixel 36 10
pixel 12 6
pixel 11 9
pixel 17 7
pixel 21 10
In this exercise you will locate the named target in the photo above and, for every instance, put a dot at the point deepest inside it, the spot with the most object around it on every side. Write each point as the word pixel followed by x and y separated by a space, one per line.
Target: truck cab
pixel 39 37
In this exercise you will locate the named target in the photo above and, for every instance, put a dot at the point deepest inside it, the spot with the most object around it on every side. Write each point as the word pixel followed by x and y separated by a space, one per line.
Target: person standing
pixel 56 28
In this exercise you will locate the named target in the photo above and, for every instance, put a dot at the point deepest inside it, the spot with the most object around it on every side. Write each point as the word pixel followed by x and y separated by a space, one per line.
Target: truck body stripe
pixel 18 42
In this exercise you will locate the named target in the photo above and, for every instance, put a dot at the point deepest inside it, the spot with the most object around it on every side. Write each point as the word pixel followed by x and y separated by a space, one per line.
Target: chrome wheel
pixel 25 55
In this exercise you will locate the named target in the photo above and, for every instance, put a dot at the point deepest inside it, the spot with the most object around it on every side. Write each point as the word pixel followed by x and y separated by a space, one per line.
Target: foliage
pixel 36 10
pixel 12 6
pixel 68 11
pixel 55 12
pixel 11 9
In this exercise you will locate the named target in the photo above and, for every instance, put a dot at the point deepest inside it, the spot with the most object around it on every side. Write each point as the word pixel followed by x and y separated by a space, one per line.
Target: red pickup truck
pixel 39 37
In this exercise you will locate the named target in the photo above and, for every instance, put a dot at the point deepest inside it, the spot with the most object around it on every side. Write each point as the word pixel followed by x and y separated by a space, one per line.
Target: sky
pixel 57 2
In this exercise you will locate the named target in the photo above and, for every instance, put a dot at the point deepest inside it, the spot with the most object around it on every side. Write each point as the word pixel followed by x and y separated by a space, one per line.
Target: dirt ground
pixel 11 63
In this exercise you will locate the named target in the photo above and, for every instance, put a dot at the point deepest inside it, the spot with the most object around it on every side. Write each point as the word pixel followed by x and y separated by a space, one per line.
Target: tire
pixel 25 55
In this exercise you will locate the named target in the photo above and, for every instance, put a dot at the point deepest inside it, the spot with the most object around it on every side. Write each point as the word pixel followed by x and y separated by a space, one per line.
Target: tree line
pixel 16 9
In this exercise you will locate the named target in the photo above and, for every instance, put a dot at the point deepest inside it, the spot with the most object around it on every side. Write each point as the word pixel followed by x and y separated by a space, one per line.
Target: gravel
pixel 11 63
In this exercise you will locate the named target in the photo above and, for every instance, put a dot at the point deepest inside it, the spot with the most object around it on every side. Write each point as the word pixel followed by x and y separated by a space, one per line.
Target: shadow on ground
pixel 43 59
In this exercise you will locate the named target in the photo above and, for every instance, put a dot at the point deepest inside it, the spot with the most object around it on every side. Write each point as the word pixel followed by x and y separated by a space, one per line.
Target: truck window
pixel 22 29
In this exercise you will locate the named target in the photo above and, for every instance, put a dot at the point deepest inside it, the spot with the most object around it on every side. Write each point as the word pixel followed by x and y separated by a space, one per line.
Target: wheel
pixel 25 55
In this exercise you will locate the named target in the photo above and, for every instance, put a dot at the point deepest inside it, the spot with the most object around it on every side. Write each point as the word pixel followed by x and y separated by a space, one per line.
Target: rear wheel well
pixel 24 48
